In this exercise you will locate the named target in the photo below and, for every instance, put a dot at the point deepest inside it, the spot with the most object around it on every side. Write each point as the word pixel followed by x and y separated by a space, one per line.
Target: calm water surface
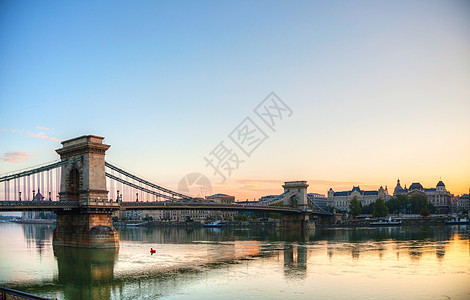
pixel 368 263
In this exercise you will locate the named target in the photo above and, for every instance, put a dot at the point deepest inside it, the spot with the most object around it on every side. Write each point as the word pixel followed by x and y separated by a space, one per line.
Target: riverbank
pixel 195 224
pixel 35 221
pixel 363 222
pixel 416 221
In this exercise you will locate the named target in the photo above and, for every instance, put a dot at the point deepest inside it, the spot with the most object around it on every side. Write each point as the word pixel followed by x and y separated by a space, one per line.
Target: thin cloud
pixel 42 128
pixel 40 135
pixel 255 183
pixel 16 157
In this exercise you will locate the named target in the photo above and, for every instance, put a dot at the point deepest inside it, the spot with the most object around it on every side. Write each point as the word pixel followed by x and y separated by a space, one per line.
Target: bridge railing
pixel 6 293
pixel 99 202
pixel 37 203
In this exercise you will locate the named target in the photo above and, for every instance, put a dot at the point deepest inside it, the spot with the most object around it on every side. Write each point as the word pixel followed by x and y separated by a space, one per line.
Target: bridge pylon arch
pixel 84 181
pixel 299 197
pixel 91 169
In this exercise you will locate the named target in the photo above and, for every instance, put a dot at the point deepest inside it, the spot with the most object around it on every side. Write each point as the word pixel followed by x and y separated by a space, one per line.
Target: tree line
pixel 415 204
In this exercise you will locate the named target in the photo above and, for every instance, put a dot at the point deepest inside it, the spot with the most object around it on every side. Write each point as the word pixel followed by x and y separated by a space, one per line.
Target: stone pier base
pixel 300 222
pixel 84 229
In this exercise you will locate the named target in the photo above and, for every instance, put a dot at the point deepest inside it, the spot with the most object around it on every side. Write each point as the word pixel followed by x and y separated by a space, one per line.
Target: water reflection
pixel 37 236
pixel 200 257
pixel 440 250
pixel 295 261
pixel 85 273
pixel 176 235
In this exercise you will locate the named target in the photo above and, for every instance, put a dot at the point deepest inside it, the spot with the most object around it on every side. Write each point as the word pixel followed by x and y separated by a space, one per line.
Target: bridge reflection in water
pixel 85 273
pixel 188 256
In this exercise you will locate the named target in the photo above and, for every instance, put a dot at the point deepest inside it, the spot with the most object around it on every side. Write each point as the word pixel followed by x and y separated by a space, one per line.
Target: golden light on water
pixel 393 263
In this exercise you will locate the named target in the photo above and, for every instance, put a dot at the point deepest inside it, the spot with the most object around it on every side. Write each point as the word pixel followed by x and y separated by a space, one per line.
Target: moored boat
pixel 456 220
pixel 137 224
pixel 389 222
pixel 217 223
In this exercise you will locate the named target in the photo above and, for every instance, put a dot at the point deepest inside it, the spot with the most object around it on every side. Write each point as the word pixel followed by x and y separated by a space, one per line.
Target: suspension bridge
pixel 75 189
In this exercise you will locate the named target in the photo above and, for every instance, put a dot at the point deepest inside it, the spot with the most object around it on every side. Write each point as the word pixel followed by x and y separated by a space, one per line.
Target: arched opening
pixel 294 200
pixel 73 185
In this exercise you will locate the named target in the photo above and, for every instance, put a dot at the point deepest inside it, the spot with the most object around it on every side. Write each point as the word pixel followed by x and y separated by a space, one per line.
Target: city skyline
pixel 378 91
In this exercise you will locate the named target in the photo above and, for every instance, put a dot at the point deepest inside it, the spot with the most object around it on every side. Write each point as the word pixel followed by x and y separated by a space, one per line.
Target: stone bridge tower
pixel 299 200
pixel 84 180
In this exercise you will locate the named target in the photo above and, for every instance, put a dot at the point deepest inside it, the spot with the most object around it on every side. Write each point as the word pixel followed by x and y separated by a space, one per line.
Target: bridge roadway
pixel 100 205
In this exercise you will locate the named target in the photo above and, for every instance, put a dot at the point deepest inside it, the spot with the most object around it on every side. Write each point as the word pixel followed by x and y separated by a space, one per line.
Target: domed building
pixel 416 186
pixel 34 215
pixel 439 196
pixel 399 189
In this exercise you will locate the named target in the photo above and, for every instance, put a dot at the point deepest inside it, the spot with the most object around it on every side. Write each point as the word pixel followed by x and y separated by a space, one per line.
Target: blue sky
pixel 379 90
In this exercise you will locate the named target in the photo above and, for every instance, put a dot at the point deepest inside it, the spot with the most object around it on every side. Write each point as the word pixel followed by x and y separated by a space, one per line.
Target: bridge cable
pixel 148 183
pixel 138 187
pixel 39 170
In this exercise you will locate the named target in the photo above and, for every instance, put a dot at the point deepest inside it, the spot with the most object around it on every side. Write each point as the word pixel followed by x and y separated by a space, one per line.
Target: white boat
pixel 388 222
pixel 137 224
pixel 217 223
pixel 456 220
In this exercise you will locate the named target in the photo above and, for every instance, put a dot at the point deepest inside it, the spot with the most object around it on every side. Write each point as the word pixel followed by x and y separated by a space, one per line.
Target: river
pixel 426 262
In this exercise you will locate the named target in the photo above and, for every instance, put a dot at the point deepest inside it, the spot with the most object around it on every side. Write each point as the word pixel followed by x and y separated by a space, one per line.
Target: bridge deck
pixel 68 205
pixel 37 205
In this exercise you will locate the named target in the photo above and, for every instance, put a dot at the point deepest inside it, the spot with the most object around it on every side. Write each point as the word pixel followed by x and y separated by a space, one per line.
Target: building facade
pixel 341 200
pixel 178 215
pixel 318 200
pixel 265 200
pixel 439 196
pixel 463 203
pixel 221 199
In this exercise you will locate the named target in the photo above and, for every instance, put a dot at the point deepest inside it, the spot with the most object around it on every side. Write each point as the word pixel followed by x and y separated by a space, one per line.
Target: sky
pixel 372 91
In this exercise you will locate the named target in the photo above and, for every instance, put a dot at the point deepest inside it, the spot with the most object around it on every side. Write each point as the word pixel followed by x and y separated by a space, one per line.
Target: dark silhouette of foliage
pixel 355 207
pixel 425 211
pixel 380 209
pixel 368 209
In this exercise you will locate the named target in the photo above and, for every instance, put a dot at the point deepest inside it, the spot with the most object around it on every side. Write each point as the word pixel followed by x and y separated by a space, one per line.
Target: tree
pixel 240 217
pixel 368 209
pixel 380 209
pixel 355 207
pixel 398 203
pixel 275 216
pixel 147 218
pixel 418 201
pixel 393 205
pixel 425 211
pixel 331 209
pixel 403 200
